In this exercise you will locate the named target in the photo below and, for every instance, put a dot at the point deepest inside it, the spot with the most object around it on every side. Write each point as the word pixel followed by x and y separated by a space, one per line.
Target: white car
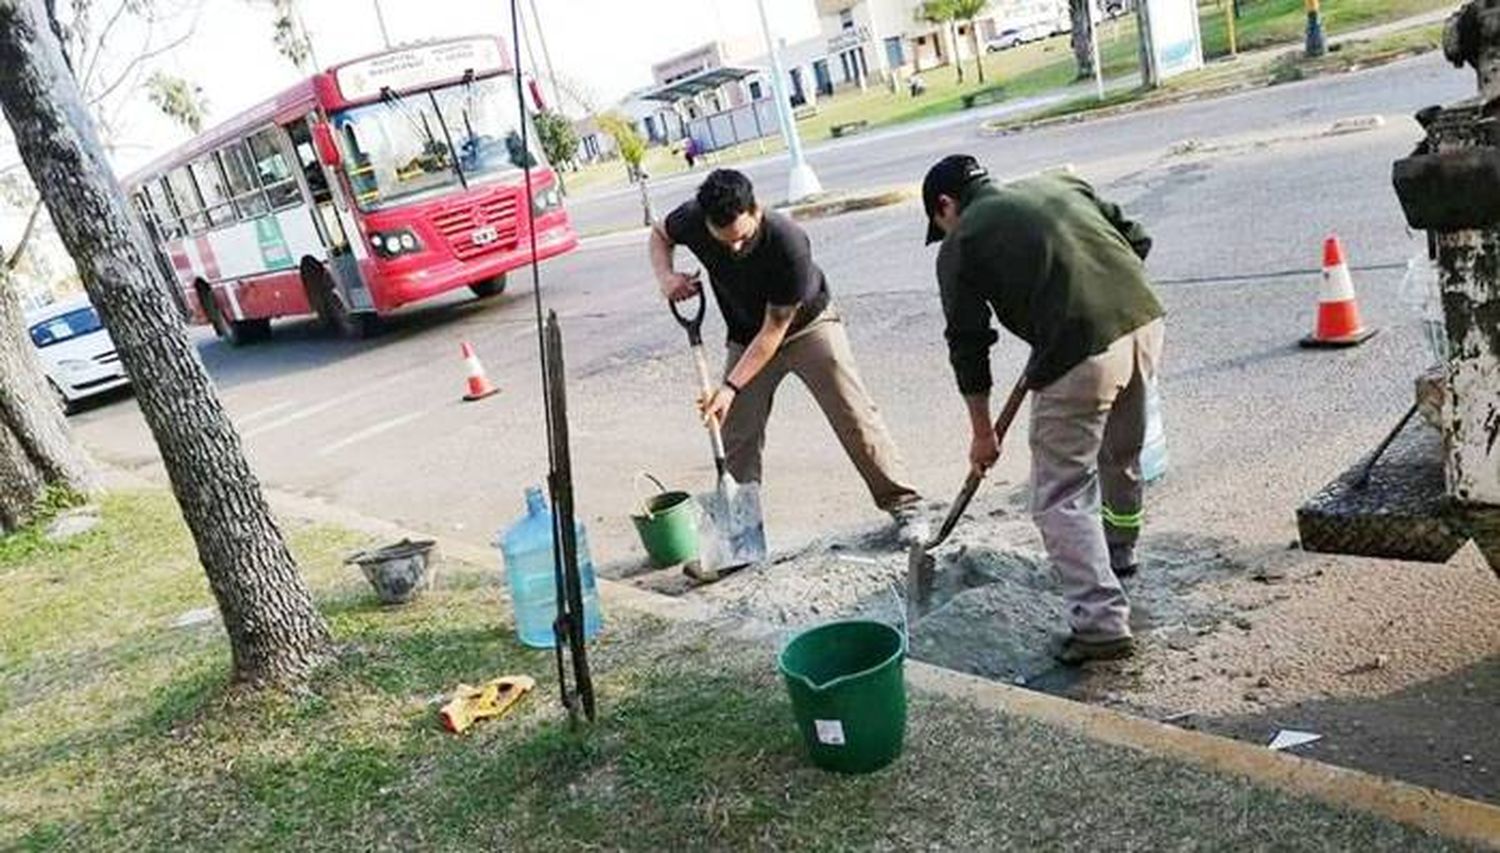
pixel 77 354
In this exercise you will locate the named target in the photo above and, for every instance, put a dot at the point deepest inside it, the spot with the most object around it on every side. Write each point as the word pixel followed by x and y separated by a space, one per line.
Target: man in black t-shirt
pixel 775 303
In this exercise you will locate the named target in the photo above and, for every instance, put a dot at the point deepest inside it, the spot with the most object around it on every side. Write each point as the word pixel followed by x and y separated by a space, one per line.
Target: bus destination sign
pixel 418 66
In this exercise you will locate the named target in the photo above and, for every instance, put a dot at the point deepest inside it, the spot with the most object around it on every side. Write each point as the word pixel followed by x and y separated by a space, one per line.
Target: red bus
pixel 382 181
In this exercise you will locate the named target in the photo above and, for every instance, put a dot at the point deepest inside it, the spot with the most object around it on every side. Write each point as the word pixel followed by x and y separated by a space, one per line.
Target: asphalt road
pixel 378 425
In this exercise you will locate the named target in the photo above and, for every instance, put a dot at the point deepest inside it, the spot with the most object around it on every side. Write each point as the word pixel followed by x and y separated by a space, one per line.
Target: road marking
pixel 372 431
pixel 877 234
pixel 614 239
pixel 305 413
pixel 266 412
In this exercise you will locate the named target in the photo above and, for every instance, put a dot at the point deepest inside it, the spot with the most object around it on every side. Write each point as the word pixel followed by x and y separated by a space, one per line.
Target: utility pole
pixel 803 181
pixel 385 35
pixel 1094 48
pixel 541 36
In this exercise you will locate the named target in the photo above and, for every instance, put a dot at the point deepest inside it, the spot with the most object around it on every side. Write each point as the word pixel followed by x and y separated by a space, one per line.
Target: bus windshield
pixel 403 148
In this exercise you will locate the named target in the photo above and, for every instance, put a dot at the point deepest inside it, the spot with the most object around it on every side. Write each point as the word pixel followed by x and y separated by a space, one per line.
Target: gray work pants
pixel 1087 429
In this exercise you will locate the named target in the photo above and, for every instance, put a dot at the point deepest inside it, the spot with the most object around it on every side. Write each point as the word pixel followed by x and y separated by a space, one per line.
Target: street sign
pixel 1176 44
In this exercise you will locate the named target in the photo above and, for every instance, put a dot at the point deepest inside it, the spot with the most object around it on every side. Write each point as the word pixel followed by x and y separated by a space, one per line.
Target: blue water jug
pixel 527 549
pixel 1154 451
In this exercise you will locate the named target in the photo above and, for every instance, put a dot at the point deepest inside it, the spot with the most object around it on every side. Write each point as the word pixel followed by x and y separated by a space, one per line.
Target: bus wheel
pixel 489 287
pixel 250 331
pixel 330 307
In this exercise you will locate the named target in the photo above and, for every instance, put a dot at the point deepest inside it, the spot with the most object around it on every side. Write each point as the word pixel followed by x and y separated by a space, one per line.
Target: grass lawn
pixel 118 732
pixel 1035 69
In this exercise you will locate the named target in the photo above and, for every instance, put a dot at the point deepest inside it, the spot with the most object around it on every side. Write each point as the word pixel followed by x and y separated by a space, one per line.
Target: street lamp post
pixel 803 182
pixel 385 35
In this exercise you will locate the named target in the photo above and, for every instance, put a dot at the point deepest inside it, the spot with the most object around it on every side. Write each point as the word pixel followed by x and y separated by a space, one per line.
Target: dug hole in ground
pixel 1391 663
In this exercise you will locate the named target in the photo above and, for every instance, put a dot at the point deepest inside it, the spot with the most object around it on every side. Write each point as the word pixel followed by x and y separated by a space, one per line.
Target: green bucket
pixel 848 693
pixel 668 527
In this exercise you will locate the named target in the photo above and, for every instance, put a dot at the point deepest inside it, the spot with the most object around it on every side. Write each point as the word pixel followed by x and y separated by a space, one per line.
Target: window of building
pixel 895 52
pixel 846 19
pixel 755 90
pixel 272 170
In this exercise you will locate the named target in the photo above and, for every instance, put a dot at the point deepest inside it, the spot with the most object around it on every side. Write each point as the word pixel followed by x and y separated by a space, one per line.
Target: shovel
pixel 921 568
pixel 736 533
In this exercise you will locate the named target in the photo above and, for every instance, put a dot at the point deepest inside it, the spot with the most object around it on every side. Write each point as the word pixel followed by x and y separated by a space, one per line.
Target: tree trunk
pixel 978 52
pixel 1083 36
pixel 275 633
pixel 958 63
pixel 37 451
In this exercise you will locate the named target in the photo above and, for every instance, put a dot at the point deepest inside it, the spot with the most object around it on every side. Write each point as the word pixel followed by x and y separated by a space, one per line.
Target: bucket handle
pixel 636 485
pixel 901 624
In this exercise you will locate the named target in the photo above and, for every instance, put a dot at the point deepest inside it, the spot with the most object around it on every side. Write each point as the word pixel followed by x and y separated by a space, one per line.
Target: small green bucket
pixel 848 693
pixel 668 526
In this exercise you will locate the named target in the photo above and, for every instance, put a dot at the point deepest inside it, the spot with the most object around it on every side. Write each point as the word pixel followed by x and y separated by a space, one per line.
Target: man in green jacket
pixel 1062 270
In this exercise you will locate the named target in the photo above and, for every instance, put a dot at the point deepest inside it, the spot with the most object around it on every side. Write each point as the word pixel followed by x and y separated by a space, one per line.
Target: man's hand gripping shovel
pixel 921 568
pixel 735 534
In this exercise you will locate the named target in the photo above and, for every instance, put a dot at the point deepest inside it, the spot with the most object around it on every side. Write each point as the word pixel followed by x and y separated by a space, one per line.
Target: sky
pixel 608 46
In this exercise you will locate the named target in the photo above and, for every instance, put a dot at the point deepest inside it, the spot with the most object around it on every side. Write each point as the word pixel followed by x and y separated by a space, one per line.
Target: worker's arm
pixel 987 436
pixel 756 356
pixel 675 286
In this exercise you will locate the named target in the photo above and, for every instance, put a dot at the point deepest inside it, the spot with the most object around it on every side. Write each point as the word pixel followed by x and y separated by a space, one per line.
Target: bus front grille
pixel 488 225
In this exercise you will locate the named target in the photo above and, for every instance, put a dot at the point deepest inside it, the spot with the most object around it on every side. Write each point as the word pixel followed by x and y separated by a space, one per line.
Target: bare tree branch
pixel 92 63
pixel 25 238
pixel 147 56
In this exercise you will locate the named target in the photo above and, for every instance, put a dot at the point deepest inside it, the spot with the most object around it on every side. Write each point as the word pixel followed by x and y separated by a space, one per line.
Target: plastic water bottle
pixel 1423 296
pixel 1154 451
pixel 527 549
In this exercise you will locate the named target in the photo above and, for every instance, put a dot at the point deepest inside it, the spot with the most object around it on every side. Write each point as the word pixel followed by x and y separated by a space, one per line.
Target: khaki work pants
pixel 819 355
pixel 1087 430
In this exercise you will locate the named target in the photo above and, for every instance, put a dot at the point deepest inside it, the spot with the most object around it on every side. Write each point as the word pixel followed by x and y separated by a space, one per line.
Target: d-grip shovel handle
pixel 694 322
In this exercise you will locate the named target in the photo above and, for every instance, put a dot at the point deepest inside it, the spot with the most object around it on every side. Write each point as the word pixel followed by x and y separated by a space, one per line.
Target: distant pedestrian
pixel 1061 269
pixel 775 303
pixel 690 152
pixel 916 84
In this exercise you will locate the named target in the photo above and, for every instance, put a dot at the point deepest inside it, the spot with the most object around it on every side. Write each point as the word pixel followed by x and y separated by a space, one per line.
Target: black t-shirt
pixel 778 270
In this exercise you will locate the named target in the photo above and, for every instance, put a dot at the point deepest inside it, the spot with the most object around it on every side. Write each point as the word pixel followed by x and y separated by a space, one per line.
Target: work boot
pixel 1075 651
pixel 912 526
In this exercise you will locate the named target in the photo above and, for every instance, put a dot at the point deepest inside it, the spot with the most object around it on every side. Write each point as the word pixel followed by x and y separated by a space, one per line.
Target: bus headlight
pixel 392 244
pixel 547 200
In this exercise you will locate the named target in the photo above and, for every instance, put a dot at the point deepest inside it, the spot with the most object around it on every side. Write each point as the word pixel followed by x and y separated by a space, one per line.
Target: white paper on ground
pixel 1288 738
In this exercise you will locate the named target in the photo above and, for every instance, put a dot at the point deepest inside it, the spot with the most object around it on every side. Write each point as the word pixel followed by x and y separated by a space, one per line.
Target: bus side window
pixel 307 157
pixel 185 195
pixel 211 186
pixel 272 170
pixel 161 199
pixel 249 201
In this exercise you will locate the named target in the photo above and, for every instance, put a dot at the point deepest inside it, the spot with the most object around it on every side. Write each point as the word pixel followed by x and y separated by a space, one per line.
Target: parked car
pixel 77 354
pixel 1004 40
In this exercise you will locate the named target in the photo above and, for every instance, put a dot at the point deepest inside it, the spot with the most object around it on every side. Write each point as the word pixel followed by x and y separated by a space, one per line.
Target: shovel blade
pixel 734 533
pixel 921 573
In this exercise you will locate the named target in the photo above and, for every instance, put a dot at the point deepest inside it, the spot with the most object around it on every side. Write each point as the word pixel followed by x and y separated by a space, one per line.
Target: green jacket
pixel 1060 269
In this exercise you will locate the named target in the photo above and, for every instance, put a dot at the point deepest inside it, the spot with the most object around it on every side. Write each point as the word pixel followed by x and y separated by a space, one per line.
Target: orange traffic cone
pixel 479 384
pixel 1338 311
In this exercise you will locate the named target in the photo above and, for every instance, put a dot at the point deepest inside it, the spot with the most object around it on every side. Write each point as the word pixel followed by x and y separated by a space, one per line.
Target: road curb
pixel 1435 811
pixel 1000 128
pixel 822 208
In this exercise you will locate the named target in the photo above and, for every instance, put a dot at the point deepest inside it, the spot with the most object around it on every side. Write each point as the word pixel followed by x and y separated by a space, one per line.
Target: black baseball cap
pixel 948 177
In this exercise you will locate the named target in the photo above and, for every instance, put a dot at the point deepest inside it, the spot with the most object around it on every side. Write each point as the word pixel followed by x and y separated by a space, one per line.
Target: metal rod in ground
pixel 570 604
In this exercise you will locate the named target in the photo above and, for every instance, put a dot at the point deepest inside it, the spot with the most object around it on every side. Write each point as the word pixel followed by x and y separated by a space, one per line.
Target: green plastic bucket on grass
pixel 668 527
pixel 848 693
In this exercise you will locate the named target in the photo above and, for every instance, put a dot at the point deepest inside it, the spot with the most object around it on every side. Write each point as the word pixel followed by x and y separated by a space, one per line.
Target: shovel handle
pixel 706 387
pixel 692 322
